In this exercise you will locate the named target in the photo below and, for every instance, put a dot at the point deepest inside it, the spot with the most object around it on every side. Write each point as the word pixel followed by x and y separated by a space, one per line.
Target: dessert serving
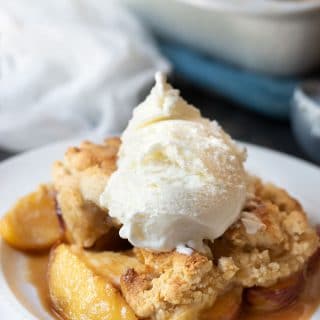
pixel 166 223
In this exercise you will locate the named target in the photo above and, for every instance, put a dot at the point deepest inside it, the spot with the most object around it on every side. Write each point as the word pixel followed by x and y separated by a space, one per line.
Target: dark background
pixel 238 122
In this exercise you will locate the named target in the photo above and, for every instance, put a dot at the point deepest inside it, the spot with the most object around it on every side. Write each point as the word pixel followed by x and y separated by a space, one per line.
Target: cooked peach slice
pixel 314 260
pixel 32 224
pixel 278 296
pixel 226 307
pixel 111 265
pixel 79 293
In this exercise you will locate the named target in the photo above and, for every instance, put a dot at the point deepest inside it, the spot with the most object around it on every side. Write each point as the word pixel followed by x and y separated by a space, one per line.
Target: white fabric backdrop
pixel 69 68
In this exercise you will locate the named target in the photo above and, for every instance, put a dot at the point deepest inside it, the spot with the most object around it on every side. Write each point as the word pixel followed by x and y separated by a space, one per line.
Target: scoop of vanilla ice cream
pixel 180 177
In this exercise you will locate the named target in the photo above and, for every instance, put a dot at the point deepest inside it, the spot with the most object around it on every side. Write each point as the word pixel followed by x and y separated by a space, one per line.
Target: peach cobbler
pixel 165 223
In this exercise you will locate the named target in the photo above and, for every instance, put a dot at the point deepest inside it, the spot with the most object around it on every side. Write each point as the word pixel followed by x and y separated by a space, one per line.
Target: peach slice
pixel 226 307
pixel 32 224
pixel 111 265
pixel 77 292
pixel 278 296
pixel 314 260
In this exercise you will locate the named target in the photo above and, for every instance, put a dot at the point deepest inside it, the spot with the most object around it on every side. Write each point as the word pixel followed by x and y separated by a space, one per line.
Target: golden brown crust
pixel 279 249
pixel 79 180
pixel 89 155
pixel 175 286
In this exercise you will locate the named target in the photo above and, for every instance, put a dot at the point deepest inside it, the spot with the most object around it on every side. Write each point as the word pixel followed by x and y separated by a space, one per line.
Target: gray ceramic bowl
pixel 305 118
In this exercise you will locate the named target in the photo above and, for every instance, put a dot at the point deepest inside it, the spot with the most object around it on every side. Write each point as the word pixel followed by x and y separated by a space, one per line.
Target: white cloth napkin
pixel 70 68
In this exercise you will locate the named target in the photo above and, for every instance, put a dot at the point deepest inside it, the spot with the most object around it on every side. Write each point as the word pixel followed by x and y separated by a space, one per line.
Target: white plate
pixel 23 173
